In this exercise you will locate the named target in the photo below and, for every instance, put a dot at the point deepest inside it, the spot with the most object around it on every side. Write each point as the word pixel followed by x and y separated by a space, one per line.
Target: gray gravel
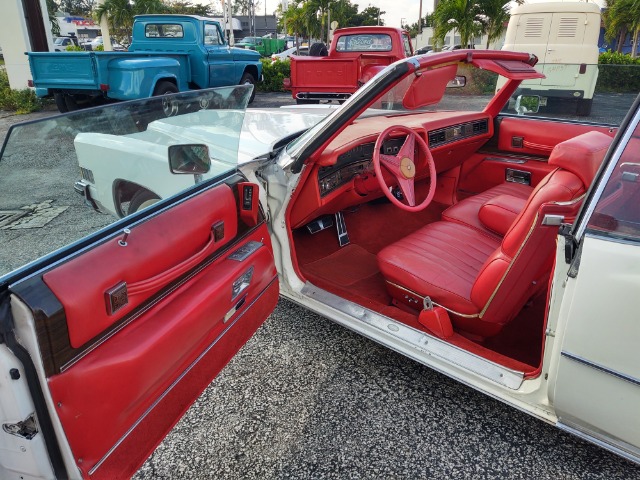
pixel 306 398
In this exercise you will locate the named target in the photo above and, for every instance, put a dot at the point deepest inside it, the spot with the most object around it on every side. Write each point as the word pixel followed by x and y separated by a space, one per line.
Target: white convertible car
pixel 502 250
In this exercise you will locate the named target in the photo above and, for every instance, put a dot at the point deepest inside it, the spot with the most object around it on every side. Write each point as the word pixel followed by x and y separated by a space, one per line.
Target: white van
pixel 564 37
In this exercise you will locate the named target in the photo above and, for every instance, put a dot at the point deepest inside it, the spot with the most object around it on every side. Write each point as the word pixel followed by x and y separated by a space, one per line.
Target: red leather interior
pixel 582 156
pixel 153 250
pixel 485 170
pixel 112 387
pixel 498 213
pixel 467 211
pixel 441 259
pixel 540 135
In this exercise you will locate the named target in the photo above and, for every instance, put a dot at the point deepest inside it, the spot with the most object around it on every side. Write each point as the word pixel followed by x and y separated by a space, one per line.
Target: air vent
pixel 457 132
pixel 568 27
pixel 533 27
pixel 480 127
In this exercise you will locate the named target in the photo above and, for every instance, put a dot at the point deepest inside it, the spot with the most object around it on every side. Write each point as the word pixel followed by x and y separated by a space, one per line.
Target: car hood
pixel 244 54
pixel 263 128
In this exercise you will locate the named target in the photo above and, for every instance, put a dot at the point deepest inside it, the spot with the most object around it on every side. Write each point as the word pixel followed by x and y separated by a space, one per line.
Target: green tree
pixel 120 13
pixel 243 7
pixel 79 8
pixel 371 16
pixel 464 16
pixel 620 18
pixel 181 7
pixel 52 8
pixel 495 15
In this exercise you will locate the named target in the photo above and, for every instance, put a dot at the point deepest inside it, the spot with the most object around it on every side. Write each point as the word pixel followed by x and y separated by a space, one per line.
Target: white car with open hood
pixel 500 249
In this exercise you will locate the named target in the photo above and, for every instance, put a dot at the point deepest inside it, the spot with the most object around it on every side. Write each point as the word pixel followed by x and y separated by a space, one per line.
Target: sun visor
pixel 512 69
pixel 429 87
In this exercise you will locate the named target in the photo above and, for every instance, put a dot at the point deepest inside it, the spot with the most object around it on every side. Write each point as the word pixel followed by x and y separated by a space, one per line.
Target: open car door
pixel 597 373
pixel 110 339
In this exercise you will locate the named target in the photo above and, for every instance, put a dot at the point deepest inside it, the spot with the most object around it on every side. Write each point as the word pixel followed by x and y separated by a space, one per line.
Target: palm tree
pixel 621 17
pixel 495 15
pixel 464 16
pixel 120 13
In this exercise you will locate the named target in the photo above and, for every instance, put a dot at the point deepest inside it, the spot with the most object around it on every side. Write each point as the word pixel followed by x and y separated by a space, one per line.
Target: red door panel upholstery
pixel 148 262
pixel 486 170
pixel 183 323
pixel 539 136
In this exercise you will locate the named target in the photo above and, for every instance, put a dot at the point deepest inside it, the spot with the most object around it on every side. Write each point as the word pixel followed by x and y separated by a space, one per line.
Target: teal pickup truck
pixel 168 54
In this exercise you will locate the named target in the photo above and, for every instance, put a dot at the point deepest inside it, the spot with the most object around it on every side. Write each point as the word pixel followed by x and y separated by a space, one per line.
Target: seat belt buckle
pixel 427 304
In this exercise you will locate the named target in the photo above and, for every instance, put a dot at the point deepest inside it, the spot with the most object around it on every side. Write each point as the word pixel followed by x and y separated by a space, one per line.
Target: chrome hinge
pixel 27 428
pixel 550 333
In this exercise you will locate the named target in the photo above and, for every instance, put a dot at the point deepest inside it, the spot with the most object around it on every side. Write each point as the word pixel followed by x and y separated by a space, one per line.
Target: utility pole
pixel 232 40
pixel 420 20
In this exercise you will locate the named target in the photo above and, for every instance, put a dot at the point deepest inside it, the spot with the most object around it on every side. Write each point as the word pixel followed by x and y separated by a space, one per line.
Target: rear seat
pixel 467 211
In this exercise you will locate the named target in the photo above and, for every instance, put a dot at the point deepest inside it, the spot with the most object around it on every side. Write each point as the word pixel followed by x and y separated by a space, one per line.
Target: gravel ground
pixel 306 398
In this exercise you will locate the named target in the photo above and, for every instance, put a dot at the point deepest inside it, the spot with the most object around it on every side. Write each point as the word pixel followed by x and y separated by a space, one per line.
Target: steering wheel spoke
pixel 403 168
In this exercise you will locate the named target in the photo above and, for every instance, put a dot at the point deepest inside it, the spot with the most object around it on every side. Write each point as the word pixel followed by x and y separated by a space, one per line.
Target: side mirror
pixel 190 159
pixel 457 82
pixel 527 104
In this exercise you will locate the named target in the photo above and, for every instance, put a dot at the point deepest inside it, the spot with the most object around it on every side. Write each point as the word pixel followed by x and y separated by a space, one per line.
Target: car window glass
pixel 406 43
pixel 163 30
pixel 364 42
pixel 65 177
pixel 617 212
pixel 595 93
pixel 211 35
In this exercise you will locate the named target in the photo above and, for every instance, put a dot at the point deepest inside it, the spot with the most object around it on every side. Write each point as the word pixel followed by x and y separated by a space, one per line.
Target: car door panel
pixel 162 249
pixel 119 382
pixel 535 136
pixel 487 169
pixel 519 145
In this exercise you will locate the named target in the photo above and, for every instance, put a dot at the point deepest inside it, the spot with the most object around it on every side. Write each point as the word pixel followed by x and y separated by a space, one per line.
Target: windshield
pixel 114 159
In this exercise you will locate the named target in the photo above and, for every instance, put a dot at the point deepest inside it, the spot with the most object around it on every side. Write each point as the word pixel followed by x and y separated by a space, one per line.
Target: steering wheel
pixel 402 166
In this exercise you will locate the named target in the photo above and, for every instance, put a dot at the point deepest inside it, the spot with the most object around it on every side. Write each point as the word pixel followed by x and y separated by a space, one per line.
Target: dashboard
pixel 358 160
pixel 343 175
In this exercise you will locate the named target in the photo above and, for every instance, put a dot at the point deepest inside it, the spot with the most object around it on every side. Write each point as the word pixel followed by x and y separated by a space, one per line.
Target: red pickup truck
pixel 355 56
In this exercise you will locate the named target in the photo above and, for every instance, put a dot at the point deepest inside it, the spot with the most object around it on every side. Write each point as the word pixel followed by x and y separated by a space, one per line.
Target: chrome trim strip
pixel 603 441
pixel 602 368
pixel 177 380
pixel 505 160
pixel 421 342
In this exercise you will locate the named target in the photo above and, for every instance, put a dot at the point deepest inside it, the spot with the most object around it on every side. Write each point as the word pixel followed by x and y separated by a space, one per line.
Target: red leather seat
pixel 466 211
pixel 481 280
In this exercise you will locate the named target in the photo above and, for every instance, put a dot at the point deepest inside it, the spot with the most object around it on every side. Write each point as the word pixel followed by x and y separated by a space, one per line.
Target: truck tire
pixel 164 87
pixel 584 107
pixel 60 102
pixel 141 199
pixel 247 79
pixel 318 50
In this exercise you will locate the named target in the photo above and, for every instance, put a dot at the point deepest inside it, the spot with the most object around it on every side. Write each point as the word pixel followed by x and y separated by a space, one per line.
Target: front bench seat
pixel 481 280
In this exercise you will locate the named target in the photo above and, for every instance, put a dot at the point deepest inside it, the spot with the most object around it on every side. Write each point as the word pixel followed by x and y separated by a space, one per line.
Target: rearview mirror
pixel 457 82
pixel 527 104
pixel 190 159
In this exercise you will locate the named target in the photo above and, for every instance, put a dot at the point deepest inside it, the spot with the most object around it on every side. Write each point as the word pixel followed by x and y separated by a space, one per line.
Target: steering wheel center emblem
pixel 408 168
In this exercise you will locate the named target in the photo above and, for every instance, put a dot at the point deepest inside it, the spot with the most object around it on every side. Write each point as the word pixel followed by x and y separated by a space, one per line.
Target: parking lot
pixel 306 398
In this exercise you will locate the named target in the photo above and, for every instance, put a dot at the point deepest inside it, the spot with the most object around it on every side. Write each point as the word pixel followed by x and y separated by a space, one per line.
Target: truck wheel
pixel 141 199
pixel 318 50
pixel 247 79
pixel 165 87
pixel 584 107
pixel 60 103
